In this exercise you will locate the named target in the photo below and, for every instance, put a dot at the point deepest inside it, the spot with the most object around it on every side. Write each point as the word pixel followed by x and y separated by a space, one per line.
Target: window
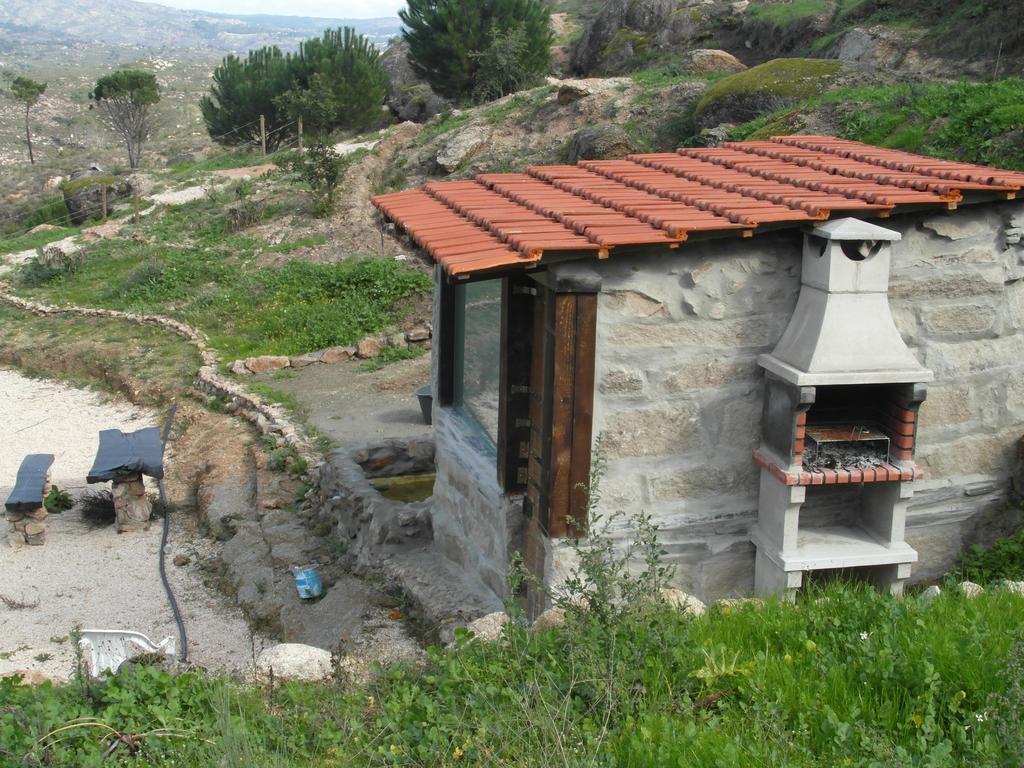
pixel 478 352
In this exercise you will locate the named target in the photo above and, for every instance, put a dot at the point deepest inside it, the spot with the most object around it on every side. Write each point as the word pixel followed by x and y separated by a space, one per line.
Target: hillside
pixel 151 26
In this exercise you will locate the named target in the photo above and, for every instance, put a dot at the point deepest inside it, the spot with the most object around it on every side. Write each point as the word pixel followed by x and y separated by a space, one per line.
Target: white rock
pixel 552 618
pixel 294 661
pixel 681 601
pixel 970 589
pixel 1017 587
pixel 932 592
pixel 462 146
pixel 488 628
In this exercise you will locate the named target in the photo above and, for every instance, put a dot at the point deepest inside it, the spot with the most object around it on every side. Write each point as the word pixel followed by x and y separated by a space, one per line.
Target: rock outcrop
pixel 602 142
pixel 294 661
pixel 409 97
pixel 84 193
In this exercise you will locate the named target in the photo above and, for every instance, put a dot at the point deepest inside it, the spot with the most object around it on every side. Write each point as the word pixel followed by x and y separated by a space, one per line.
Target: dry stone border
pixel 366 349
pixel 269 419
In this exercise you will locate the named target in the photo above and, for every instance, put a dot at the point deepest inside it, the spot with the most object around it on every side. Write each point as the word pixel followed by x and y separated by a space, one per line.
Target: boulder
pixel 932 592
pixel 294 661
pixel 600 142
pixel 571 92
pixel 970 589
pixel 552 618
pixel 267 363
pixel 462 146
pixel 1016 587
pixel 765 88
pixel 337 355
pixel 681 601
pixel 43 228
pixel 879 47
pixel 53 183
pixel 488 628
pixel 301 361
pixel 702 61
pixel 409 96
pixel 83 193
pixel 622 30
pixel 368 348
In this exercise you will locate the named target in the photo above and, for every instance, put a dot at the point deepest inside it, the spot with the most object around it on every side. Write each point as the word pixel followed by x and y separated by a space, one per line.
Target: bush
pixel 1003 560
pixel 57 501
pixel 321 169
pixel 458 45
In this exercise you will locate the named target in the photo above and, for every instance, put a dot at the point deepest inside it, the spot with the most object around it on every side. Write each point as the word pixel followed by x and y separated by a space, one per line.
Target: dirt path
pixel 94 577
pixel 352 407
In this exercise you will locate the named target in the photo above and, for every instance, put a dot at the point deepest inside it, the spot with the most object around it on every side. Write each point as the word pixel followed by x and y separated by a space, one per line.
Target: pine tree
pixel 126 98
pixel 449 40
pixel 27 91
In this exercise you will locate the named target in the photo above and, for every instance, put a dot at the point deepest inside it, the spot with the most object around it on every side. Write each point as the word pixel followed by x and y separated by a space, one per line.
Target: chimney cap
pixel 854 229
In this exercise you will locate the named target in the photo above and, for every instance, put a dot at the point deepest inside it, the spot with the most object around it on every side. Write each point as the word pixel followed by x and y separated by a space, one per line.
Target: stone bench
pixel 24 507
pixel 123 458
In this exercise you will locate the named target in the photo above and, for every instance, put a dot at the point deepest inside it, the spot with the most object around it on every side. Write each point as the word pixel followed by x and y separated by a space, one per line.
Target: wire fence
pixel 89 211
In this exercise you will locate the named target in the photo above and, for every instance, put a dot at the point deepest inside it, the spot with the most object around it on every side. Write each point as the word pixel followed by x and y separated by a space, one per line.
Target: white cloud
pixel 332 9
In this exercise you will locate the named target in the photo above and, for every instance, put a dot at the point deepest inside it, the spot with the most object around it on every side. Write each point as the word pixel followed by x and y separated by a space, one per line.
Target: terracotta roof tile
pixel 507 221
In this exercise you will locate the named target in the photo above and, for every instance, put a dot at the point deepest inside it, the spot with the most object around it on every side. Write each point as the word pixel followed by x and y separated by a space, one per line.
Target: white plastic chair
pixel 108 649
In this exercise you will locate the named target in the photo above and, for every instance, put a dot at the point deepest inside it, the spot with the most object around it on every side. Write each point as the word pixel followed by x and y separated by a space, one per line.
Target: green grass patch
pixel 310 241
pixel 859 679
pixel 443 123
pixel 35 240
pixel 218 162
pixel 198 272
pixel 1003 560
pixel 390 355
pixel 144 362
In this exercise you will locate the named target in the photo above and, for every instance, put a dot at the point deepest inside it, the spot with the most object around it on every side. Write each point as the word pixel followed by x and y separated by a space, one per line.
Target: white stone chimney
pixel 842 331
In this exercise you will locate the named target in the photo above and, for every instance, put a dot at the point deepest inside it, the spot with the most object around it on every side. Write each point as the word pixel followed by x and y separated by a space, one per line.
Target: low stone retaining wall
pixel 269 419
pixel 366 349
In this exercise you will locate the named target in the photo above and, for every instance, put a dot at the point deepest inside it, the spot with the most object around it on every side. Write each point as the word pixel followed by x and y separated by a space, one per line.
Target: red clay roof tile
pixel 505 221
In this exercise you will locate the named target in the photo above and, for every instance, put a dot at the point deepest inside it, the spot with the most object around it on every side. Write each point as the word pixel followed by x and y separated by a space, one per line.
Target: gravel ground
pixel 95 578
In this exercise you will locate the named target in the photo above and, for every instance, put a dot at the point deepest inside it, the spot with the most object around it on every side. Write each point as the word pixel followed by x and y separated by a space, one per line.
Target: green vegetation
pixel 195 270
pixel 58 500
pixel 390 355
pixel 36 240
pixel 481 47
pixel 772 85
pixel 74 186
pixel 1003 560
pixel 321 170
pixel 854 679
pixel 974 122
pixel 334 81
pixel 143 362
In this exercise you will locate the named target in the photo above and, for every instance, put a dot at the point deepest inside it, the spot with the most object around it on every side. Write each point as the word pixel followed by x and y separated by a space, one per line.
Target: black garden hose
pixel 163 546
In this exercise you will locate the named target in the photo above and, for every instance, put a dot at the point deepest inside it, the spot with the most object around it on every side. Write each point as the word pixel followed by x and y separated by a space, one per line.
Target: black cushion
pixel 121 454
pixel 28 488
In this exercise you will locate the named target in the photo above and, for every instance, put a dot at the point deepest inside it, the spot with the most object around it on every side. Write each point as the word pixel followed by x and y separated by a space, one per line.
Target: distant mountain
pixel 151 26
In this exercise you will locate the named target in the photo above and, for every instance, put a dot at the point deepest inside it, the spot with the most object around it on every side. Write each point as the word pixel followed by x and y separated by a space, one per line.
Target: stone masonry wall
pixel 679 392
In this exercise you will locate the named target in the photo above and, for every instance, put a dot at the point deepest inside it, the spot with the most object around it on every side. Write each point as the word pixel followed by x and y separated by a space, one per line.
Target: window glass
pixel 478 352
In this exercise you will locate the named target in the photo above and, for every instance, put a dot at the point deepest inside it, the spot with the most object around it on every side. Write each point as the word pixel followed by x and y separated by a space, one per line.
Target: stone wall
pixel 678 401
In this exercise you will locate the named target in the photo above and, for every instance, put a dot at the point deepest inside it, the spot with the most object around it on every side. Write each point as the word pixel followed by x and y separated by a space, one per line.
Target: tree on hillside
pixel 244 89
pixel 332 81
pixel 455 44
pixel 339 82
pixel 126 98
pixel 27 91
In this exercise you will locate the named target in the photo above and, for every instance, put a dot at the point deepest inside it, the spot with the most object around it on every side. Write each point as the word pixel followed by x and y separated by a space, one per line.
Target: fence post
pixel 298 122
pixel 103 200
pixel 263 134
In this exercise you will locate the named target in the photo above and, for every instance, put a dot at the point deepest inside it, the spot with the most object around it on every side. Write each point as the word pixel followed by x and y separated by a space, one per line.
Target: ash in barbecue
pixel 843 457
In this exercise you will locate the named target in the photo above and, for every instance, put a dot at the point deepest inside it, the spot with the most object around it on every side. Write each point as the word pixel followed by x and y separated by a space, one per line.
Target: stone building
pixel 636 307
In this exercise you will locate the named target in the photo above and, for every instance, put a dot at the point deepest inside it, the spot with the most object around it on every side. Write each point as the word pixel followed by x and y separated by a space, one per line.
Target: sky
pixel 329 9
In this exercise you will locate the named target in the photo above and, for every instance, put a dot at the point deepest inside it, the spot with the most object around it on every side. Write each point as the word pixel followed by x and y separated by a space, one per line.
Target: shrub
pixel 453 42
pixel 1003 560
pixel 97 508
pixel 321 169
pixel 57 501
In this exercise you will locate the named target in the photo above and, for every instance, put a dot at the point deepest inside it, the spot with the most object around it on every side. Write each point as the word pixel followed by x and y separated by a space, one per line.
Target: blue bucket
pixel 307 582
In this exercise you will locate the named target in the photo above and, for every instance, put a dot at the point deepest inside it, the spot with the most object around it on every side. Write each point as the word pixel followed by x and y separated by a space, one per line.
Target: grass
pixel 974 122
pixel 144 362
pixel 29 241
pixel 847 678
pixel 188 266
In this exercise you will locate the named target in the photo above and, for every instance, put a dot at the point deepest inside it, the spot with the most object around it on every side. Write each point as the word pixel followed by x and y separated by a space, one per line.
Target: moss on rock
pixel 765 88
